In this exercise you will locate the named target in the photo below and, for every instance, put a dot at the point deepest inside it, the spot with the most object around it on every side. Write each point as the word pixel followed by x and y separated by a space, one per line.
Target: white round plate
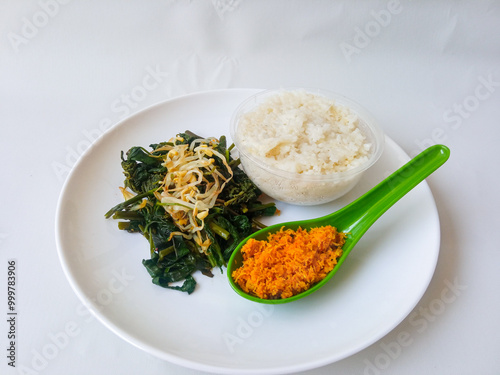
pixel 214 329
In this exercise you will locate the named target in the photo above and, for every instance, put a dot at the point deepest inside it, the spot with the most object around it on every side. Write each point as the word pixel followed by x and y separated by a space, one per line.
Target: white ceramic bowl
pixel 301 188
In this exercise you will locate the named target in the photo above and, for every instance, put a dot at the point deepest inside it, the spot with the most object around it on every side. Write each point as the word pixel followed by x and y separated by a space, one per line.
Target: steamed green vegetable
pixel 193 204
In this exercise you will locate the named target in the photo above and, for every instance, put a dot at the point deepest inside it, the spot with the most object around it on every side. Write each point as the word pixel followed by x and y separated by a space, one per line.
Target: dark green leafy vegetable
pixel 176 254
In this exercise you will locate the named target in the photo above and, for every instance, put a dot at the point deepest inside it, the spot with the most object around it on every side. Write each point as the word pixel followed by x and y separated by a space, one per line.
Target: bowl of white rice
pixel 305 146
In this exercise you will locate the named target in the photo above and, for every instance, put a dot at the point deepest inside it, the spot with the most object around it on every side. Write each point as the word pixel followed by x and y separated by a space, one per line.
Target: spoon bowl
pixel 354 219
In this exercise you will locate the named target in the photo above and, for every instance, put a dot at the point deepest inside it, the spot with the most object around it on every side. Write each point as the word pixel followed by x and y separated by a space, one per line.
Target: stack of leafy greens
pixel 192 202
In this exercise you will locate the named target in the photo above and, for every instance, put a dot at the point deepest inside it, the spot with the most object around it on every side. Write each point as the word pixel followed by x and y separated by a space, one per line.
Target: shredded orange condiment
pixel 289 262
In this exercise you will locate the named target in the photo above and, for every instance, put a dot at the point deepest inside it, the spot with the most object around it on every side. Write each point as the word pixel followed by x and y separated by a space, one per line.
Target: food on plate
pixel 192 202
pixel 288 262
pixel 304 133
pixel 303 147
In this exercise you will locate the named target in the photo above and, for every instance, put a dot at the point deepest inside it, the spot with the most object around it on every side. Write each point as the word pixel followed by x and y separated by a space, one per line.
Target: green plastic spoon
pixel 355 218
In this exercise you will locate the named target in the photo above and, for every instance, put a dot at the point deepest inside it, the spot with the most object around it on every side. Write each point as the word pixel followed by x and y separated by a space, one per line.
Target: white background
pixel 429 71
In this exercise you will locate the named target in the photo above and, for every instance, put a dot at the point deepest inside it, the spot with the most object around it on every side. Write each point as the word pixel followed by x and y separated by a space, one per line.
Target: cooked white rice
pixel 297 131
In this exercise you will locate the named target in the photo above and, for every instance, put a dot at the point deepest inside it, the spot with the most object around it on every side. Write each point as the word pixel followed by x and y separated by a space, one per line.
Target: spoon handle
pixel 364 211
